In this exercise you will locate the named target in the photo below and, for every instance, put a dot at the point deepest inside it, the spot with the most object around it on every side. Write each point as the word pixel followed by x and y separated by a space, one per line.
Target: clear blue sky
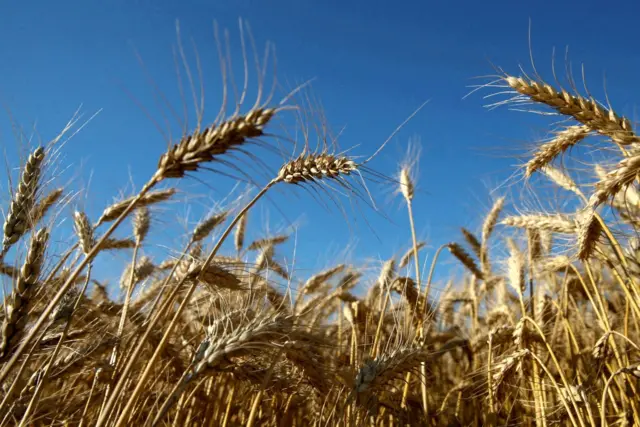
pixel 374 63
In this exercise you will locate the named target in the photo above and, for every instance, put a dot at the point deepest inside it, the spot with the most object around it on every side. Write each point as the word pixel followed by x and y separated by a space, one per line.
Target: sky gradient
pixel 373 64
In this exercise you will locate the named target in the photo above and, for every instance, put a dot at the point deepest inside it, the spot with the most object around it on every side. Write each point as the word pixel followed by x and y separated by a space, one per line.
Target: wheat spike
pixel 23 288
pixel 84 231
pixel 141 223
pixel 240 231
pixel 214 141
pixel 555 223
pixel 548 151
pixel 115 210
pixel 408 256
pixel 18 217
pixel 205 228
pixel 314 167
pixel 586 111
pixel 466 260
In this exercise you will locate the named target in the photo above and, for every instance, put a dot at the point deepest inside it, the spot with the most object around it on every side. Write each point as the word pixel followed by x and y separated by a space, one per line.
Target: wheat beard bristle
pixel 214 141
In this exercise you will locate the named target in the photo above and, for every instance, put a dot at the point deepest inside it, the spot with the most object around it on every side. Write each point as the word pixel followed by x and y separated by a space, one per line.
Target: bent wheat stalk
pixel 305 169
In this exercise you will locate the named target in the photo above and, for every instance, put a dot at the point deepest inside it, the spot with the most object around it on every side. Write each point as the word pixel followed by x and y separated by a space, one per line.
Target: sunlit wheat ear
pixel 316 281
pixel 516 267
pixel 312 168
pixel 84 231
pixel 624 174
pixel 601 347
pixel 143 269
pixel 491 220
pixel 387 273
pixel 141 223
pixel 17 220
pixel 505 367
pixel 216 353
pixel 212 142
pixel 268 242
pixel 627 202
pixel 26 279
pixel 586 111
pixel 548 151
pixel 488 226
pixel 556 223
pixel 44 205
pixel 240 232
pixel 375 374
pixel 206 227
pixel 562 180
pixel 115 210
pixel 215 276
pixel 406 184
pixel 589 230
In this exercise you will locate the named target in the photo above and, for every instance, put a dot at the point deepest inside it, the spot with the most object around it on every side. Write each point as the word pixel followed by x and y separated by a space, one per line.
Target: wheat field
pixel 543 329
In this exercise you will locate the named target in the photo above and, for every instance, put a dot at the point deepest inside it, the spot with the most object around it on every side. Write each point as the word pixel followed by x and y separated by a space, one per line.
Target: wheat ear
pixel 587 111
pixel 26 280
pixel 564 139
pixel 17 221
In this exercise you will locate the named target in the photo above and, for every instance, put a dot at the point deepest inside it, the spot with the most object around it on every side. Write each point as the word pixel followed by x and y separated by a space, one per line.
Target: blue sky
pixel 373 63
